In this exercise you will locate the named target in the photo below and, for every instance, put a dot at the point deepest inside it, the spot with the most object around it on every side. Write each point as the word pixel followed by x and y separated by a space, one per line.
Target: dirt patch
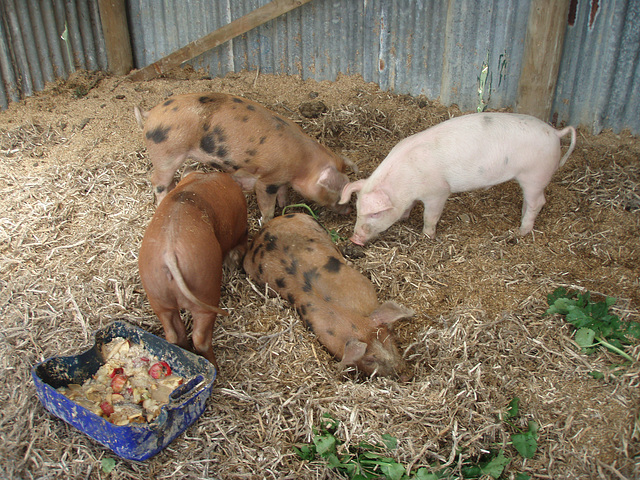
pixel 75 200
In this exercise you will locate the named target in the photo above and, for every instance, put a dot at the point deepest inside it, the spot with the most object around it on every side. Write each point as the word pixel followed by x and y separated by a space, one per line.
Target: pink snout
pixel 358 240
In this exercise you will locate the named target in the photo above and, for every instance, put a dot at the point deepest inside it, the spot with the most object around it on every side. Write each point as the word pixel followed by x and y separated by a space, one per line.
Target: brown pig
pixel 199 224
pixel 264 151
pixel 296 257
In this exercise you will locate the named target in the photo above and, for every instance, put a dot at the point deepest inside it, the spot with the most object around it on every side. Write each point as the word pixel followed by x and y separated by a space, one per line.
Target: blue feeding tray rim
pixel 134 441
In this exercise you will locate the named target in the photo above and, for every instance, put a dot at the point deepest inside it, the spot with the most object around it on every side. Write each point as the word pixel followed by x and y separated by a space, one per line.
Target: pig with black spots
pixel 295 256
pixel 263 151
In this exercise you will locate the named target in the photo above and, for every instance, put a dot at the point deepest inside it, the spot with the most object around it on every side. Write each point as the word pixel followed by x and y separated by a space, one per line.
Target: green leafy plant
pixel 361 461
pixel 108 464
pixel 524 441
pixel 595 324
pixel 372 461
pixel 335 236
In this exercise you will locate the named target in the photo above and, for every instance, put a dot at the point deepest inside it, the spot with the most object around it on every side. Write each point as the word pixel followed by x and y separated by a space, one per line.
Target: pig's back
pixel 231 128
pixel 296 256
pixel 476 150
pixel 180 226
pixel 204 208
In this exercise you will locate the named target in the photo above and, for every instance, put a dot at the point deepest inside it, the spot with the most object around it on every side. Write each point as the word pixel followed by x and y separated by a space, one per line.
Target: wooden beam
pixel 113 17
pixel 541 60
pixel 242 25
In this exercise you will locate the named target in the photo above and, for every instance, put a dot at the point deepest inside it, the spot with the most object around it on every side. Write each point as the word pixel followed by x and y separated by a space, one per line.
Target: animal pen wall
pixel 571 62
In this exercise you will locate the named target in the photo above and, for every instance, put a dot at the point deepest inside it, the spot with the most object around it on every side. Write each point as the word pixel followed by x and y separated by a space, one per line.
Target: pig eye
pixel 375 215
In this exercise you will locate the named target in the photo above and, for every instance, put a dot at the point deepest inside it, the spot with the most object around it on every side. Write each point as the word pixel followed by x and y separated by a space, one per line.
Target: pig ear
pixel 348 190
pixel 352 165
pixel 331 179
pixel 375 202
pixel 389 312
pixel 353 351
pixel 140 115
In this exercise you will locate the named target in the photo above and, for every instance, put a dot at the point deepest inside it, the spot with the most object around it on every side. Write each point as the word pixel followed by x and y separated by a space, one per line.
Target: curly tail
pixel 172 264
pixel 561 134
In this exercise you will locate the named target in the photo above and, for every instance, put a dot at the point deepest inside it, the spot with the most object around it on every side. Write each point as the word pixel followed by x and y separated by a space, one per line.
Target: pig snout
pixel 379 357
pixel 361 234
pixel 358 240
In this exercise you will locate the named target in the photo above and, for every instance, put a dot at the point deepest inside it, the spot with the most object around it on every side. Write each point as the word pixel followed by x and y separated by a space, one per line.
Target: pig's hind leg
pixel 532 202
pixel 203 323
pixel 174 329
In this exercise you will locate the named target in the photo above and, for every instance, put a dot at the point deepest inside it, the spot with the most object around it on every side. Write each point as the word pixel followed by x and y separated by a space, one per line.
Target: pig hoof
pixel 429 232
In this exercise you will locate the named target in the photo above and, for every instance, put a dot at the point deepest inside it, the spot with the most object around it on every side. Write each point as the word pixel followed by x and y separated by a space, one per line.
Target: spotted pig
pixel 199 224
pixel 296 257
pixel 264 151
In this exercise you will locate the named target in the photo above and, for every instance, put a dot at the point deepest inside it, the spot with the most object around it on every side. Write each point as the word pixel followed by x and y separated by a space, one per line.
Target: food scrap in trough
pixel 131 387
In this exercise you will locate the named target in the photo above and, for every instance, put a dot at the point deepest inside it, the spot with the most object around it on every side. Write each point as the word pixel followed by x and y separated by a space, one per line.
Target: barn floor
pixel 75 201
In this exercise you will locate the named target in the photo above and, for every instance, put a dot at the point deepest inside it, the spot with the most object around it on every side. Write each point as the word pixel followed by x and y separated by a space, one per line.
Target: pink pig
pixel 263 151
pixel 465 153
pixel 296 257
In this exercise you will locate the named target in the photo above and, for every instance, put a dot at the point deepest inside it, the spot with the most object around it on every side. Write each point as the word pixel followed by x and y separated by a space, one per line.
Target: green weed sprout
pixel 335 236
pixel 595 325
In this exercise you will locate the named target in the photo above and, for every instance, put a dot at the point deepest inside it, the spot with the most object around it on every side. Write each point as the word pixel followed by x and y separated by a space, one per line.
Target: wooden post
pixel 242 25
pixel 542 52
pixel 113 17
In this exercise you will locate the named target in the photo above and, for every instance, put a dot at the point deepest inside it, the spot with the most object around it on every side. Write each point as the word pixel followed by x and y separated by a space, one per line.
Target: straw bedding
pixel 75 200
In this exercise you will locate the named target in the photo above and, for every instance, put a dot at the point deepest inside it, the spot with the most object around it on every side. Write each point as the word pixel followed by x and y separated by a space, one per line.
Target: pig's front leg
pixel 266 196
pixel 407 212
pixel 433 207
pixel 164 169
pixel 282 196
pixel 163 183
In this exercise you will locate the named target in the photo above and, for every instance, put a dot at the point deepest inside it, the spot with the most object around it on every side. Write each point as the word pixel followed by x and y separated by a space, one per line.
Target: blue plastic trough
pixel 134 441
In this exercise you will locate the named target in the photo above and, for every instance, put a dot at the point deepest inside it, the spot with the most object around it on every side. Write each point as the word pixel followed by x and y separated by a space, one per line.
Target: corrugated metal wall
pixel 599 77
pixel 437 47
pixel 42 40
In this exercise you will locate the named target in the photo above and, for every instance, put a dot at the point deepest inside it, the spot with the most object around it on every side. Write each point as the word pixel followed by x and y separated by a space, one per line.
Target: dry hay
pixel 75 200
